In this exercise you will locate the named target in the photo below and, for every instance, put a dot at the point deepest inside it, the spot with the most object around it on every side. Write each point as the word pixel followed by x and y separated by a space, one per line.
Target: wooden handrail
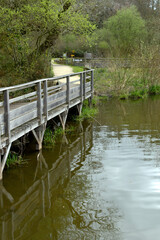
pixel 33 83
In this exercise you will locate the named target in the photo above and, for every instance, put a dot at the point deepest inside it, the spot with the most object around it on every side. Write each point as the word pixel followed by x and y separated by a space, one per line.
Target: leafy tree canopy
pixel 29 28
pixel 123 33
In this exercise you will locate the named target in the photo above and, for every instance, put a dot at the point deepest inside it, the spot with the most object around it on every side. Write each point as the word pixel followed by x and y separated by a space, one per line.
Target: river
pixel 101 182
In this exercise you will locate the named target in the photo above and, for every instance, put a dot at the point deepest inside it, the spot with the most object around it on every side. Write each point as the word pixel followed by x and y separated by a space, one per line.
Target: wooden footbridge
pixel 28 107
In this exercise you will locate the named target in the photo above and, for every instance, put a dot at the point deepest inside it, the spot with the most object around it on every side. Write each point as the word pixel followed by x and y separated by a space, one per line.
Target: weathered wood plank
pixel 75 81
pixel 56 103
pixel 45 100
pixel 56 96
pixel 68 90
pixel 74 95
pixel 74 89
pixel 81 86
pixel 17 112
pixel 88 84
pixel 1 118
pixel 88 89
pixel 23 119
pixel 39 102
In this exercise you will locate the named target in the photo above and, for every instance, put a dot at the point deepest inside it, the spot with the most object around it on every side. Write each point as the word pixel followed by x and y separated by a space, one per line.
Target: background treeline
pixel 34 31
pixel 29 30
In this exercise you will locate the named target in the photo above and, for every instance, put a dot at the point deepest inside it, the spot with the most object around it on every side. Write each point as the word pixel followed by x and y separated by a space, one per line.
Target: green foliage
pixel 14 160
pixel 136 94
pixel 134 82
pixel 87 113
pixel 154 89
pixel 77 69
pixel 72 42
pixel 123 32
pixel 29 29
pixel 50 136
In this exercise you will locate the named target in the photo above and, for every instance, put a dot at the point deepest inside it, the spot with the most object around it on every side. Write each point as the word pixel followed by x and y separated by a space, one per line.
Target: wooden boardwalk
pixel 42 101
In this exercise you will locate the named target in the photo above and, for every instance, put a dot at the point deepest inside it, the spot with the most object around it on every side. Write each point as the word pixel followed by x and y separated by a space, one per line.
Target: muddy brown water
pixel 100 182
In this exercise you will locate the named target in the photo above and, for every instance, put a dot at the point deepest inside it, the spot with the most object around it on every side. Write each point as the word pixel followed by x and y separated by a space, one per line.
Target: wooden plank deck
pixel 43 101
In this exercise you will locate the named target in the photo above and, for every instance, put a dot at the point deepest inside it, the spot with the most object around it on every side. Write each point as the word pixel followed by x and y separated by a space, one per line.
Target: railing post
pixel 7 115
pixel 45 100
pixel 92 82
pixel 84 85
pixel 39 102
pixel 81 86
pixel 68 90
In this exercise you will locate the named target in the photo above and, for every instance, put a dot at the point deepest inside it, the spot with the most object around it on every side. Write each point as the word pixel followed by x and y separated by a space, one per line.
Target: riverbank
pixel 126 83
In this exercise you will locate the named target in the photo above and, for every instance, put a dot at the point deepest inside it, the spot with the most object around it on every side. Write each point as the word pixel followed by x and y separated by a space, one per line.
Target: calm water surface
pixel 102 182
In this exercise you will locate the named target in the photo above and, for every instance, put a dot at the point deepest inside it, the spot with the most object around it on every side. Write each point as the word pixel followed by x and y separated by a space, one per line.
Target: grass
pixel 14 160
pixel 126 83
pixel 88 112
pixel 77 69
pixel 51 136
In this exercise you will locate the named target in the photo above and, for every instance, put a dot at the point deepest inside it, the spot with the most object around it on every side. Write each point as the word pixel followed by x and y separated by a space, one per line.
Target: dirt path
pixel 60 70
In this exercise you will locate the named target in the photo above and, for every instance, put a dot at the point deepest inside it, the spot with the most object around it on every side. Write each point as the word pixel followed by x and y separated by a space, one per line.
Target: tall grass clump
pixel 14 160
pixel 87 111
pixel 140 78
pixel 50 136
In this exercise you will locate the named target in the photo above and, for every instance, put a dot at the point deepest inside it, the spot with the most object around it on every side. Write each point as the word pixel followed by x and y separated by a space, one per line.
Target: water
pixel 102 182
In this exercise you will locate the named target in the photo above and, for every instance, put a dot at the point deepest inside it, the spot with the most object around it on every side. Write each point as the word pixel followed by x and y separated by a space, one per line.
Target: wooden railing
pixel 27 107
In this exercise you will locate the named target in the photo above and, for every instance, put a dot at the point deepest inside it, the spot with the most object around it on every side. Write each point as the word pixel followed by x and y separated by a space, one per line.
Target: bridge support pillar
pixel 79 108
pixel 63 118
pixel 39 134
pixel 3 158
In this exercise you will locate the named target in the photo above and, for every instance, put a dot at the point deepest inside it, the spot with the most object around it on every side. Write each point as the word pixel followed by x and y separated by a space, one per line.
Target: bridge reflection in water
pixel 20 215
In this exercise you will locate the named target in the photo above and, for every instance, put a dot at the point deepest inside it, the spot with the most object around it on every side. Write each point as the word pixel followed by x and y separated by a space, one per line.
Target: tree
pixel 29 30
pixel 123 33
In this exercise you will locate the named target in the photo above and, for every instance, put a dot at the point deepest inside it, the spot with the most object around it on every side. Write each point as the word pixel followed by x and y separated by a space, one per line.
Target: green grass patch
pixel 51 136
pixel 77 69
pixel 126 83
pixel 87 113
pixel 14 160
pixel 154 89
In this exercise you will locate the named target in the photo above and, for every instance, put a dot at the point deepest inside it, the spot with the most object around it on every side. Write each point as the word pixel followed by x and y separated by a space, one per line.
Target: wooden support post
pixel 39 134
pixel 7 115
pixel 3 159
pixel 84 85
pixel 92 82
pixel 68 91
pixel 81 86
pixel 63 118
pixel 45 100
pixel 79 108
pixel 39 102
